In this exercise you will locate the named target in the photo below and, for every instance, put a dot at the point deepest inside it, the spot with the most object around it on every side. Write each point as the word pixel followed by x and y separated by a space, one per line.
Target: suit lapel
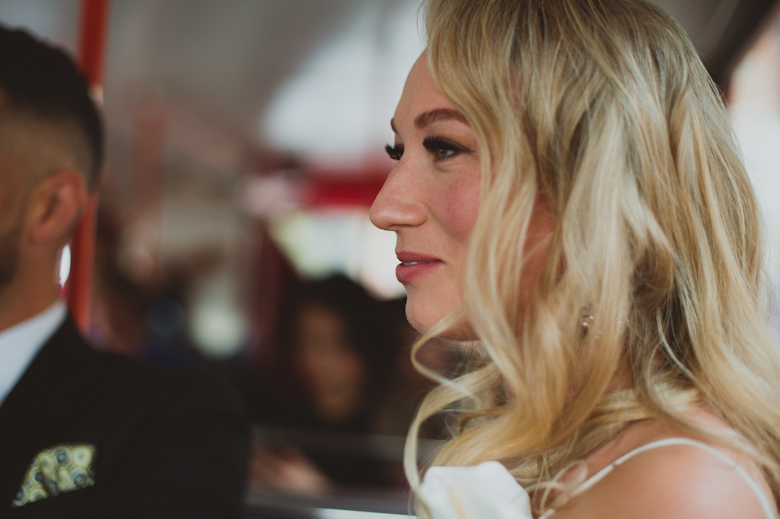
pixel 42 407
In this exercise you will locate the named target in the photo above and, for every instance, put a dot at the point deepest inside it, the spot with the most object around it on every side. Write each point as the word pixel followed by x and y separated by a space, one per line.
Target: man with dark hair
pixel 83 433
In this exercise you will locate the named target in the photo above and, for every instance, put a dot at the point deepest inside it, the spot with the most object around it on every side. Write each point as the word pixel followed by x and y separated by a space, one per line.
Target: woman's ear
pixel 55 206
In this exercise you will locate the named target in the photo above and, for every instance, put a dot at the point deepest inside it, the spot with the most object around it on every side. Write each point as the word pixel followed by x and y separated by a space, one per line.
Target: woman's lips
pixel 414 265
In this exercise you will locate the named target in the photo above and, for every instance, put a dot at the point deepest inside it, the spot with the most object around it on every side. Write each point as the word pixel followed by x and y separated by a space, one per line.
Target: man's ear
pixel 55 205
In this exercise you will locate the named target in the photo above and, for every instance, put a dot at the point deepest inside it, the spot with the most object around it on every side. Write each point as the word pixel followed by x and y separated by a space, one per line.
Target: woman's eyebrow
pixel 431 116
pixel 438 114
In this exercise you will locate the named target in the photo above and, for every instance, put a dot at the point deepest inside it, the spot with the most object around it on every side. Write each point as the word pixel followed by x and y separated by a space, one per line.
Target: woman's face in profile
pixel 430 200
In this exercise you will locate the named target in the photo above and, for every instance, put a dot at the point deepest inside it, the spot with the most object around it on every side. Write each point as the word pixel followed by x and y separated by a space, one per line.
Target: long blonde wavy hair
pixel 603 107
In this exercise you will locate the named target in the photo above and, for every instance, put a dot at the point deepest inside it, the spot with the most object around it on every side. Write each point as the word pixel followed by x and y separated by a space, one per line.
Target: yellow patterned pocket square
pixel 56 470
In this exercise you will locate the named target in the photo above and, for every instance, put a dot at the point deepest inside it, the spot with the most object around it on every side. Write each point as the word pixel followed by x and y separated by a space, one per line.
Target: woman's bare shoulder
pixel 675 480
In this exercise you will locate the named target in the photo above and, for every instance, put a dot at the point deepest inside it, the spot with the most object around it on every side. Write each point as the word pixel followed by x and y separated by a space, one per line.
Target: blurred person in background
pixel 86 434
pixel 337 347
pixel 142 318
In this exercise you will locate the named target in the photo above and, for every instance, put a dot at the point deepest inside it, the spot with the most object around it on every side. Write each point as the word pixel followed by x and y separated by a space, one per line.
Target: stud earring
pixel 586 317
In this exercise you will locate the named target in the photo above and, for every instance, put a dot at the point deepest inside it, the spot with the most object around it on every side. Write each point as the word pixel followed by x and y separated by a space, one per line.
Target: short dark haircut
pixel 42 81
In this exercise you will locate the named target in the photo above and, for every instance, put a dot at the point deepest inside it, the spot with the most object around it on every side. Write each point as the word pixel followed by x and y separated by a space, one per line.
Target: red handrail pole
pixel 92 40
pixel 92 44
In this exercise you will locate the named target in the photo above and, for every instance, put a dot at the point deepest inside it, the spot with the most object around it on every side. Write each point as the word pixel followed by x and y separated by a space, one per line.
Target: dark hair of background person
pixel 369 329
pixel 43 82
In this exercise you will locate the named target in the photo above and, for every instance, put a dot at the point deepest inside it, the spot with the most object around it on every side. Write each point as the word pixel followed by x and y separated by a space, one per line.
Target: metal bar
pixel 263 503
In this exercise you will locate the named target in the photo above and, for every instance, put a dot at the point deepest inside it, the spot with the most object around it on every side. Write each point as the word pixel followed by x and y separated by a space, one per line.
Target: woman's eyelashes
pixel 395 152
pixel 438 147
pixel 442 148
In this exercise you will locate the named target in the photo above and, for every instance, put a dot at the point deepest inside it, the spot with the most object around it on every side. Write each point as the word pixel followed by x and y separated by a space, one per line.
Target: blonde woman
pixel 569 196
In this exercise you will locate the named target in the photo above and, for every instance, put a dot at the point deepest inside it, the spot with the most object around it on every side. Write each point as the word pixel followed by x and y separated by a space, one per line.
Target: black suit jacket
pixel 168 444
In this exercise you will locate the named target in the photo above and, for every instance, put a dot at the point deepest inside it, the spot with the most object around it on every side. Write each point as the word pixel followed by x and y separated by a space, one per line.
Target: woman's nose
pixel 398 203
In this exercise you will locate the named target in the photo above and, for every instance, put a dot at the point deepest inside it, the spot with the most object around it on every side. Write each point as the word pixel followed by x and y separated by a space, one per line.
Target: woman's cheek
pixel 459 206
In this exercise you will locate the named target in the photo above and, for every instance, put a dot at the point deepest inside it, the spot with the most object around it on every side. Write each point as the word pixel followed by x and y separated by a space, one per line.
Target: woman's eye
pixel 443 153
pixel 440 148
pixel 394 152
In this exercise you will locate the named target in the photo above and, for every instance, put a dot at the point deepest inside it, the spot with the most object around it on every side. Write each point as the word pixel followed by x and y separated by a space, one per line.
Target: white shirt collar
pixel 20 343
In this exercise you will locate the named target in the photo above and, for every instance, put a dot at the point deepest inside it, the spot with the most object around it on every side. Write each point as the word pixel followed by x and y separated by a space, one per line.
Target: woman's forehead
pixel 421 96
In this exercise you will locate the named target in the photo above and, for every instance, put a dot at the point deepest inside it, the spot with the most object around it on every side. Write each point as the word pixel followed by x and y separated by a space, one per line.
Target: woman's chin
pixel 460 331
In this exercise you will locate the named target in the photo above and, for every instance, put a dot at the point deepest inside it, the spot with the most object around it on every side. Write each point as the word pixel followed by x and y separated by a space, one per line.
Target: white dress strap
pixel 766 504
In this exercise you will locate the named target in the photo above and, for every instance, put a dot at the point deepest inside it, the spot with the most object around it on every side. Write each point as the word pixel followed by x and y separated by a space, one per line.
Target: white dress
pixel 488 490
